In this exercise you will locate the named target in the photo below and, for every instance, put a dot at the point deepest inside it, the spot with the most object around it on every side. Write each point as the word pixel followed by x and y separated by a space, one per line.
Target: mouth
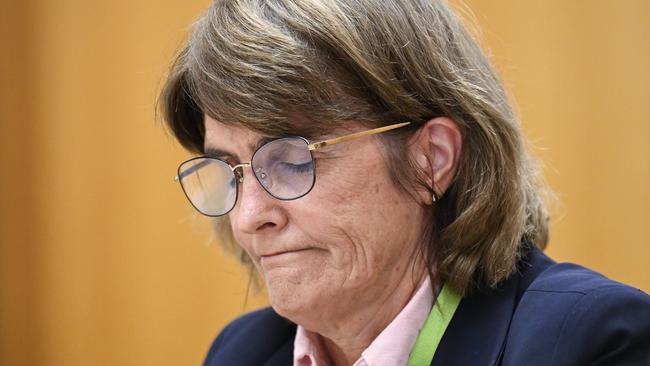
pixel 282 258
pixel 281 253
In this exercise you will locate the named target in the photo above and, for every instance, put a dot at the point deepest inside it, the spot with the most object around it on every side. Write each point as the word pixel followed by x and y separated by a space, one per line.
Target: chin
pixel 290 293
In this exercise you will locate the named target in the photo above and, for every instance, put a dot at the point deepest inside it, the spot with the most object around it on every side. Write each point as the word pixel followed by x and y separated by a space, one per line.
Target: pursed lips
pixel 281 252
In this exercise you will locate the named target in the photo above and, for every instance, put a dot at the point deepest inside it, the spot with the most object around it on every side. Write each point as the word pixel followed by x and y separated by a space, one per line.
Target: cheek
pixel 364 202
pixel 358 214
pixel 352 187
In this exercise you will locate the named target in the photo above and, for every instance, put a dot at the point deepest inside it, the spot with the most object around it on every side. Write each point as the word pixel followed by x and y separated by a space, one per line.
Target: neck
pixel 344 344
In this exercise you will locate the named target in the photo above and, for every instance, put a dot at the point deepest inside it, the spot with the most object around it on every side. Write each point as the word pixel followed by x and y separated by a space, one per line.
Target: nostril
pixel 266 225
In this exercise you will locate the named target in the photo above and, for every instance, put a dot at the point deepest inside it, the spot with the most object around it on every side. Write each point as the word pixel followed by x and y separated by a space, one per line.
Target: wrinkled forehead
pixel 230 140
pixel 237 141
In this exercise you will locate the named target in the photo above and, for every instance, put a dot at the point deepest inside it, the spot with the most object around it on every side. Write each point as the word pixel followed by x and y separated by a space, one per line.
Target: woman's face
pixel 347 243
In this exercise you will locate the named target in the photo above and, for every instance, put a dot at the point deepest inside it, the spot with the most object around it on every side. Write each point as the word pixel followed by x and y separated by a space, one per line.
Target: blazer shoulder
pixel 585 317
pixel 263 330
pixel 573 278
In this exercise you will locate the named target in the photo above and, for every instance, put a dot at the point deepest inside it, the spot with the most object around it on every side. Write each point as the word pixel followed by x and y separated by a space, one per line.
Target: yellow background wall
pixel 102 262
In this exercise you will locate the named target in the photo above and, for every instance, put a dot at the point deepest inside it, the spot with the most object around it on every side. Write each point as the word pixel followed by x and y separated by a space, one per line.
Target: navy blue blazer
pixel 545 314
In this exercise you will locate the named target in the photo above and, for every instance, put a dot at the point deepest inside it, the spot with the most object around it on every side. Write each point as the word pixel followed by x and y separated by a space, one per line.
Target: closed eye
pixel 297 168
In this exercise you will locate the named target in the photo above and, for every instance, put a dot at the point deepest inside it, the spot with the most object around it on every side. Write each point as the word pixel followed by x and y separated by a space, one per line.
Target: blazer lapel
pixel 476 334
pixel 283 356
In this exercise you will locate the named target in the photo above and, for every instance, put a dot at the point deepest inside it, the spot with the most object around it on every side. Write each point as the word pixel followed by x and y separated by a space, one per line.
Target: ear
pixel 436 149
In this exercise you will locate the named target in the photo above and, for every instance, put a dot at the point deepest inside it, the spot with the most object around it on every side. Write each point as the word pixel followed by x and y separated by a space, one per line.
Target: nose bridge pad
pixel 263 177
pixel 239 171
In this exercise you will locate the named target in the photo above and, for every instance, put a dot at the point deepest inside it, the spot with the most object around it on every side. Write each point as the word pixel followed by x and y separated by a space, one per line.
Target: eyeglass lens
pixel 284 167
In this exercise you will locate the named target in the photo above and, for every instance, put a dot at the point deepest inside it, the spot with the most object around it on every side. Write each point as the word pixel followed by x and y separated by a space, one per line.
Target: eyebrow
pixel 220 153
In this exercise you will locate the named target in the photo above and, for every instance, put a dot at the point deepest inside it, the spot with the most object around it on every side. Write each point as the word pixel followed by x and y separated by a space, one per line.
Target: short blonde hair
pixel 302 67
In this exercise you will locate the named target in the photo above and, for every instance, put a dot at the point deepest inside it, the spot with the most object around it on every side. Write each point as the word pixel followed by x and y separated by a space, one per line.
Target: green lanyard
pixel 434 327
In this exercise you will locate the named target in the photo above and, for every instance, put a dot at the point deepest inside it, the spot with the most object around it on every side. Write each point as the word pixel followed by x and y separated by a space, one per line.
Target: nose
pixel 256 211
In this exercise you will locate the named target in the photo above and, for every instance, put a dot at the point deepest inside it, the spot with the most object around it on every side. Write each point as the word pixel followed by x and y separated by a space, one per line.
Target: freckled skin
pixel 361 231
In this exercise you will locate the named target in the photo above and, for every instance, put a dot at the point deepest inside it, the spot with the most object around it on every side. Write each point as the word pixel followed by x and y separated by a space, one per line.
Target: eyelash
pixel 298 168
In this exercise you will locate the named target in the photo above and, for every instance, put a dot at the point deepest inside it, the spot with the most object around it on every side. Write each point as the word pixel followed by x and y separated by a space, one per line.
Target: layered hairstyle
pixel 305 67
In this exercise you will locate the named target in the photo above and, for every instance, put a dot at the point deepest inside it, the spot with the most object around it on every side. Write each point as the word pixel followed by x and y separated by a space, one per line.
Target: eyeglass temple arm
pixel 356 135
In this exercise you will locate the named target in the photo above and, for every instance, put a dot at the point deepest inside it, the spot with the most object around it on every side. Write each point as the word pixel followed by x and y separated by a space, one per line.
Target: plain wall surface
pixel 103 262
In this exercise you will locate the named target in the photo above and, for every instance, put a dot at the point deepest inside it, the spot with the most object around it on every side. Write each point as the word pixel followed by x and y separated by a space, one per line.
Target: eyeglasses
pixel 284 167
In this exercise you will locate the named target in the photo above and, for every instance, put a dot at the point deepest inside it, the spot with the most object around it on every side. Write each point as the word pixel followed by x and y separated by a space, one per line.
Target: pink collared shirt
pixel 391 347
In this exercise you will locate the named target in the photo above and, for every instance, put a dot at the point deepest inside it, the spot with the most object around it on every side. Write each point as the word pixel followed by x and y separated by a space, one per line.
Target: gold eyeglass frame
pixel 311 146
pixel 332 141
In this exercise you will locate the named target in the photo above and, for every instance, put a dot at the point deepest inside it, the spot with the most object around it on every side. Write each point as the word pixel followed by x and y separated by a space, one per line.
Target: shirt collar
pixel 391 347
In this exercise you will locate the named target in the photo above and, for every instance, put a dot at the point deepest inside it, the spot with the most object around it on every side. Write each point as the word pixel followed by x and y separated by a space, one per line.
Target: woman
pixel 363 157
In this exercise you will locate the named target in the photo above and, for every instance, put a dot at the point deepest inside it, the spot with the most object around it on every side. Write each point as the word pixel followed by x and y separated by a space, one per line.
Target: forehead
pixel 235 140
